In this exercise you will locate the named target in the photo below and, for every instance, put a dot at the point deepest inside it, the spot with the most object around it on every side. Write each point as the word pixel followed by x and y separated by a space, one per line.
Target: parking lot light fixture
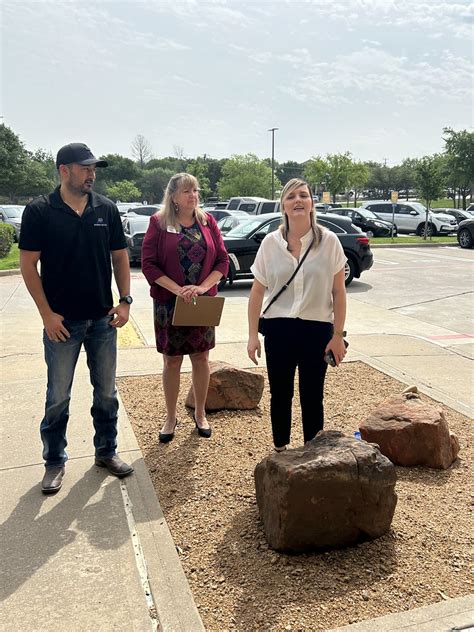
pixel 273 130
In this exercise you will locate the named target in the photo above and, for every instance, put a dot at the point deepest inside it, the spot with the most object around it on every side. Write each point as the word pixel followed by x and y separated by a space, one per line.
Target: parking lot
pixel 432 285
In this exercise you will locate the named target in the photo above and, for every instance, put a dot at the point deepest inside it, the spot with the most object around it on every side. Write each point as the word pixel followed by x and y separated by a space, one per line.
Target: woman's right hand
pixel 254 349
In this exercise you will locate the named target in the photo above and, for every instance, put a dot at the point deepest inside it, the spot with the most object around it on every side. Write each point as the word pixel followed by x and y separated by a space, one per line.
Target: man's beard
pixel 82 189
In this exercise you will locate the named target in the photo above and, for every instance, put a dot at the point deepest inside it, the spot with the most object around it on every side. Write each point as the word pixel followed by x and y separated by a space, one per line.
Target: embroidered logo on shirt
pixel 100 222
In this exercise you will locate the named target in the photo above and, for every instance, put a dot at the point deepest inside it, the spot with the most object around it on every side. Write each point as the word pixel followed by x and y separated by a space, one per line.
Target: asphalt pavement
pixel 99 554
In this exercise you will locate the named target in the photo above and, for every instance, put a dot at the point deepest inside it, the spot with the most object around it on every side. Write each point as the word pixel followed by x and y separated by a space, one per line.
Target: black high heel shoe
pixel 166 437
pixel 202 432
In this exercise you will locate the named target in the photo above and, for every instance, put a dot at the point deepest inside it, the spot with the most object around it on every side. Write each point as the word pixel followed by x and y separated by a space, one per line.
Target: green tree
pixel 198 168
pixel 120 168
pixel 380 179
pixel 459 147
pixel 36 179
pixel 214 172
pixel 358 178
pixel 170 163
pixel 152 183
pixel 13 162
pixel 430 183
pixel 48 161
pixel 403 177
pixel 333 172
pixel 288 170
pixel 246 175
pixel 124 191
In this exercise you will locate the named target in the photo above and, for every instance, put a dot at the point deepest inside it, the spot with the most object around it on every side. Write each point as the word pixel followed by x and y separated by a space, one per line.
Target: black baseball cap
pixel 78 153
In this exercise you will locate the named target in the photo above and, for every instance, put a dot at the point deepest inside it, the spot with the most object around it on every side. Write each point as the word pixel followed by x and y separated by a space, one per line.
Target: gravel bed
pixel 206 490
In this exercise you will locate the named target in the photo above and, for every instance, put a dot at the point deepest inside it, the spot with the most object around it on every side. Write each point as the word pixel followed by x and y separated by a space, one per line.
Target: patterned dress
pixel 172 340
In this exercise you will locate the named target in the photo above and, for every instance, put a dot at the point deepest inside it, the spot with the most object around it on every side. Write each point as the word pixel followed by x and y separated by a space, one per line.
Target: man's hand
pixel 254 349
pixel 54 328
pixel 122 314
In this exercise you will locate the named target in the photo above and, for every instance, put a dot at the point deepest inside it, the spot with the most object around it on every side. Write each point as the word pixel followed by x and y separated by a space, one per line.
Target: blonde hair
pixel 290 186
pixel 168 214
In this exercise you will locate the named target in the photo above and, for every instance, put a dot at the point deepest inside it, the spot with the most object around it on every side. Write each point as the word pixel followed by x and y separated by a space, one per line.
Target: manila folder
pixel 201 311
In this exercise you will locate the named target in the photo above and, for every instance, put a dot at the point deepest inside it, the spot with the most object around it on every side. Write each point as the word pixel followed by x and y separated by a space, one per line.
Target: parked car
pixel 214 207
pixel 465 233
pixel 247 204
pixel 220 213
pixel 470 209
pixel 148 210
pixel 124 207
pixel 326 207
pixel 410 217
pixel 231 220
pixel 11 214
pixel 243 242
pixel 458 214
pixel 367 221
pixel 134 228
pixel 267 206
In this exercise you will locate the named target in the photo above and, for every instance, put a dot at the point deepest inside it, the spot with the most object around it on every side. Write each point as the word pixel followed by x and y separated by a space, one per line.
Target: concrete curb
pixel 161 572
pixel 441 244
pixel 446 616
pixel 11 272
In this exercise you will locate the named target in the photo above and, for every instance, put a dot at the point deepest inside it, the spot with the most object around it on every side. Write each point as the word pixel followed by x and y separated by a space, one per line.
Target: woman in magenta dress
pixel 183 254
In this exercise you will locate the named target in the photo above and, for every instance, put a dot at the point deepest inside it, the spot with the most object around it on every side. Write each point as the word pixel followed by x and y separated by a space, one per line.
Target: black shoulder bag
pixel 261 320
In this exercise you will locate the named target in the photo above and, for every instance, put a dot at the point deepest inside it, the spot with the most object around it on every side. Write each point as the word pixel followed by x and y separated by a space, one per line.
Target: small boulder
pixel 232 388
pixel 333 492
pixel 411 432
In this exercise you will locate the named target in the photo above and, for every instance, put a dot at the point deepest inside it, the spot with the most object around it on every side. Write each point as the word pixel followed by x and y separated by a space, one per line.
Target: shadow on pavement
pixel 29 540
pixel 357 287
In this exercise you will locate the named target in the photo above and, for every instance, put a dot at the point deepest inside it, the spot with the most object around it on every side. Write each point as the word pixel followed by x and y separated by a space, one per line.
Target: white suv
pixel 409 217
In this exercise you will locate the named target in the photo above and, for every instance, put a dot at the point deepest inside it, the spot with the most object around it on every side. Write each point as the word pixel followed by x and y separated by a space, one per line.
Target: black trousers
pixel 292 343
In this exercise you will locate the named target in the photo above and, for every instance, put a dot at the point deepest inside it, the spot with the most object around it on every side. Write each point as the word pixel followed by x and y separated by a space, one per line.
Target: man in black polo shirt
pixel 75 233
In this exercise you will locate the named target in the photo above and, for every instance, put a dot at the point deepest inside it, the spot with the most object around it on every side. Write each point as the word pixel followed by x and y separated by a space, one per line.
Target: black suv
pixel 368 222
pixel 243 242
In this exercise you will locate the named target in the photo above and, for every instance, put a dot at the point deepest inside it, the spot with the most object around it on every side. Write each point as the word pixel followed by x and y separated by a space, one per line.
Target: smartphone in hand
pixel 329 356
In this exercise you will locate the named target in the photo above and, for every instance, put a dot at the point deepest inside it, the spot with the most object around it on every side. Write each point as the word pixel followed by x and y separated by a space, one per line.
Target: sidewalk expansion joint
pixel 431 300
pixel 139 558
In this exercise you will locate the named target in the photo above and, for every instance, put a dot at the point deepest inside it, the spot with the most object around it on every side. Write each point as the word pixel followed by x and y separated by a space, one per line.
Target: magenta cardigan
pixel 160 256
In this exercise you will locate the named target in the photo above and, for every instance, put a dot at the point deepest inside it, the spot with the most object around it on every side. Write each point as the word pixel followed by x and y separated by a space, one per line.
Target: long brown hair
pixel 290 186
pixel 168 214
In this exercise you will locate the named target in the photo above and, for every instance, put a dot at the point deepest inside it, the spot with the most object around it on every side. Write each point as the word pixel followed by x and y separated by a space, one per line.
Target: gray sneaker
pixel 52 479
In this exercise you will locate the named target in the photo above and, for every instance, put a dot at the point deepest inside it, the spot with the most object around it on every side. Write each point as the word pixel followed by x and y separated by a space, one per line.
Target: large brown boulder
pixel 411 432
pixel 229 387
pixel 332 492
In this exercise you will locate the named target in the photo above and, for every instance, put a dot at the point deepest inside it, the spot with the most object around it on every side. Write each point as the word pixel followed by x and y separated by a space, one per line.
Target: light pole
pixel 273 130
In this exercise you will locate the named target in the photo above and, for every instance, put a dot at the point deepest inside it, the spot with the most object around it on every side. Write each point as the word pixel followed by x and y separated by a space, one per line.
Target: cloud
pixel 204 15
pixel 185 80
pixel 455 17
pixel 377 76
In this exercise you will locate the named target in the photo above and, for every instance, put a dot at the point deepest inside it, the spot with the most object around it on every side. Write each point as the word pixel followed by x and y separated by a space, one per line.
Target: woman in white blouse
pixel 307 319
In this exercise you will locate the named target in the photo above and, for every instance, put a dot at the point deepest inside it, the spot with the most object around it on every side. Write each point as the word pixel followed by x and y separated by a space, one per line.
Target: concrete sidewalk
pixel 99 555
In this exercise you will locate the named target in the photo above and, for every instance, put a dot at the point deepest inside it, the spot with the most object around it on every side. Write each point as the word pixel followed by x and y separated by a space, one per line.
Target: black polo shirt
pixel 76 269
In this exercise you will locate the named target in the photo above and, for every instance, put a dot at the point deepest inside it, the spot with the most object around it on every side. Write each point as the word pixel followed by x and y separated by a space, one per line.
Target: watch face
pixel 126 299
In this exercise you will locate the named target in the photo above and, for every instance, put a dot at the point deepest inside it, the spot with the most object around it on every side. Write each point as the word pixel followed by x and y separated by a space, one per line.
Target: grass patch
pixel 12 260
pixel 412 239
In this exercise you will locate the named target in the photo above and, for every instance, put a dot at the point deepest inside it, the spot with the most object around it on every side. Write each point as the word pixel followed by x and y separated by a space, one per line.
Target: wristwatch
pixel 126 299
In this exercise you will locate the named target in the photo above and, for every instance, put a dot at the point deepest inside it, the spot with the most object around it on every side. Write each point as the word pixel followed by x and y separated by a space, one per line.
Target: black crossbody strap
pixel 290 279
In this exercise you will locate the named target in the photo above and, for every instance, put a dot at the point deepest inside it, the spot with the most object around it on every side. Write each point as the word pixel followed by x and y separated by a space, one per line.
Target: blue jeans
pixel 100 343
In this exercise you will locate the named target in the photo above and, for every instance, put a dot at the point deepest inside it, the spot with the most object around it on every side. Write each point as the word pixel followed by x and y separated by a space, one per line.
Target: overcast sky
pixel 378 78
